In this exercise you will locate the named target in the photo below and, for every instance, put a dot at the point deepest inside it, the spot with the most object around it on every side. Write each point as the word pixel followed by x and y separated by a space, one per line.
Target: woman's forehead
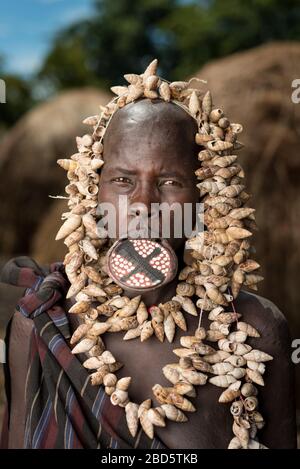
pixel 150 129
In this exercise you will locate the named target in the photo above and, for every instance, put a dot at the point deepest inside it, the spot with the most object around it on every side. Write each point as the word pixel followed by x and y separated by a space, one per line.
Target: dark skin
pixel 166 142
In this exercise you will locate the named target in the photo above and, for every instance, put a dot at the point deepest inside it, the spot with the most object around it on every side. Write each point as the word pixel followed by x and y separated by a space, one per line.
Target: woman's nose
pixel 141 202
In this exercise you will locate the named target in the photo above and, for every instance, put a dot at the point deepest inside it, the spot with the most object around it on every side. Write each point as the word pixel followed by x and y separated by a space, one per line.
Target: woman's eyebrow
pixel 121 170
pixel 169 174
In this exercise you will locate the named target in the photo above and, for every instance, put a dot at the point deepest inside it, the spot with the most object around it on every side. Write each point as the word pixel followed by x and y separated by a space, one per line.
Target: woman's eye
pixel 122 179
pixel 170 182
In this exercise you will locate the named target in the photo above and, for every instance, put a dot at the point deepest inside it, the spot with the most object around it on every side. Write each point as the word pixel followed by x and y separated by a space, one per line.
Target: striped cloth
pixel 63 410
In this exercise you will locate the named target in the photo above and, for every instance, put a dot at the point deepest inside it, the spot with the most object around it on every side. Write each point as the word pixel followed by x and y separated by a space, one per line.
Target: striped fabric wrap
pixel 63 410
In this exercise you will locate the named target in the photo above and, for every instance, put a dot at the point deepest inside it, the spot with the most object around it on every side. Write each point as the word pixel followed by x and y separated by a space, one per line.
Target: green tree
pixel 18 98
pixel 125 35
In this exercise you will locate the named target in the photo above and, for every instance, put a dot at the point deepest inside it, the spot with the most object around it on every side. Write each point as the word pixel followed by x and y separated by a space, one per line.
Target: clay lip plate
pixel 141 264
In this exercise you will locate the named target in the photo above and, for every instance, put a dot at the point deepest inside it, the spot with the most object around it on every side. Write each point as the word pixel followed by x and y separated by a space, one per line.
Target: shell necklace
pixel 221 266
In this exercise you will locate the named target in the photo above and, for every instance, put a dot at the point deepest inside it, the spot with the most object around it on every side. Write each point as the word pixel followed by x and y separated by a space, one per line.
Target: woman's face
pixel 150 157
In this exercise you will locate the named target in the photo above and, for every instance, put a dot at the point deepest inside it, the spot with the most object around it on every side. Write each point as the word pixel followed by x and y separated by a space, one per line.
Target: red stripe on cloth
pixel 50 434
pixel 27 277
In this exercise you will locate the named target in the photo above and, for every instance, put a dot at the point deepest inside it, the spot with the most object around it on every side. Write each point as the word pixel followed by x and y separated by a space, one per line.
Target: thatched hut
pixel 28 169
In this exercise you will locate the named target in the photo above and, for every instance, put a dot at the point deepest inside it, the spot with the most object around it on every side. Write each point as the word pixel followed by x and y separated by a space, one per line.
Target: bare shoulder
pixel 266 317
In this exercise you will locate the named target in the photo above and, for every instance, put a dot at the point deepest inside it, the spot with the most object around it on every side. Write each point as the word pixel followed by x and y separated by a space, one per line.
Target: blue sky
pixel 27 27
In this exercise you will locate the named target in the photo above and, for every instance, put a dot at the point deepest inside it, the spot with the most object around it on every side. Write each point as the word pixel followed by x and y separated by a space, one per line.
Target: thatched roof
pixel 254 88
pixel 28 169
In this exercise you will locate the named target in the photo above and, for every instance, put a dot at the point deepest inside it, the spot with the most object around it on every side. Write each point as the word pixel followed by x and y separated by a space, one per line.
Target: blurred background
pixel 58 59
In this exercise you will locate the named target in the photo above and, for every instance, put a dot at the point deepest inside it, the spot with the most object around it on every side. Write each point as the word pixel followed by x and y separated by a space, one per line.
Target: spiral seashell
pixel 130 308
pixel 184 272
pixel 181 402
pixel 238 233
pixel 70 225
pixel 194 377
pixel 134 92
pixel 132 333
pixel 174 414
pixel 214 294
pixel 119 90
pixel 229 395
pixel 249 330
pixel 74 237
pixel 214 336
pixel 123 383
pixel 186 304
pixel 132 78
pixel 237 336
pixel 200 364
pixel 228 318
pixel 232 191
pixel 238 373
pixel 255 376
pixel 68 165
pixel 110 380
pixel 97 376
pixel 171 374
pixel 222 368
pixel 84 345
pixel 241 433
pixel 258 356
pixel 224 161
pixel 80 332
pixel 206 304
pixel 97 349
pixel 119 397
pixel 181 387
pixel 219 145
pixel 236 360
pixel 189 341
pixel 123 324
pixel 77 285
pixel 145 422
pixel 216 115
pixel 156 418
pixel 256 366
pixel 236 408
pixel 207 103
pixel 250 403
pixel 147 331
pixel 242 349
pixel 222 381
pixel 80 307
pixel 234 443
pixel 185 289
pixel 194 105
pixel 179 320
pixel 118 301
pixel 105 310
pixel 183 352
pixel 132 420
pixel 93 363
pixel 164 91
pixel 94 290
pixel 142 313
pixel 169 328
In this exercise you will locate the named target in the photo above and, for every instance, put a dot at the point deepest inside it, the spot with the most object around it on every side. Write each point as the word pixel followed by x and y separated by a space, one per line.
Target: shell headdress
pixel 221 266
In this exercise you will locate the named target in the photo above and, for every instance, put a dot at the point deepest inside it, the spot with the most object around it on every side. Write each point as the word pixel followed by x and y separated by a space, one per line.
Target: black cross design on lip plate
pixel 142 264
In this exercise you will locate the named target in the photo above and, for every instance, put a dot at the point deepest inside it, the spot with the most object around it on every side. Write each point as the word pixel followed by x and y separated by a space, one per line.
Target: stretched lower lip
pixel 124 274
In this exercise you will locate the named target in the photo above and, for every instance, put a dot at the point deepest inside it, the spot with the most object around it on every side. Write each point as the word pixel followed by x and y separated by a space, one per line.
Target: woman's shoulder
pixel 268 319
